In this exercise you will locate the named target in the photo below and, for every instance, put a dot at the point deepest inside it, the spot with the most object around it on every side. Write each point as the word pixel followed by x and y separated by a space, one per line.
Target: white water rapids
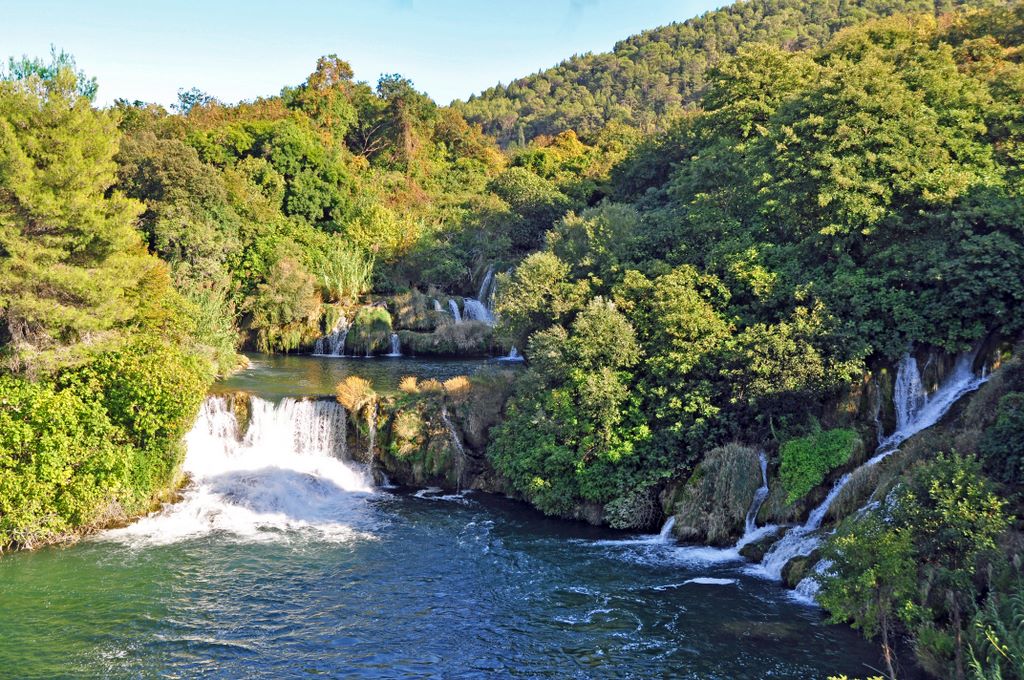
pixel 289 472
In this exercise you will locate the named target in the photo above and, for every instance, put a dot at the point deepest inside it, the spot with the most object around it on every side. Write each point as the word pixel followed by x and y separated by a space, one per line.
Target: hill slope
pixel 648 77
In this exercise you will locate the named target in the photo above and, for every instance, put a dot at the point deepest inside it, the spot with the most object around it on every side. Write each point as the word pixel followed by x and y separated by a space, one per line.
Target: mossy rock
pixel 416 449
pixel 414 311
pixel 467 339
pixel 799 568
pixel 370 332
pixel 778 510
pixel 756 550
pixel 241 406
pixel 712 506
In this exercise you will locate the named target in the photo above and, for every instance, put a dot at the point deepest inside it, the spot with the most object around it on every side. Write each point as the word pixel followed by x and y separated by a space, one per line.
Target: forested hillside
pixel 648 79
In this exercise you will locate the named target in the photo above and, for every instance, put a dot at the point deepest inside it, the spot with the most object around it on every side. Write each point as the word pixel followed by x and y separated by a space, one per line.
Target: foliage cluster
pixel 805 461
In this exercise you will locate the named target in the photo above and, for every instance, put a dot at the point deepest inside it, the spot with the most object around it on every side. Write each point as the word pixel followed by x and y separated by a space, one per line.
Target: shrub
pixel 151 391
pixel 470 338
pixel 355 393
pixel 342 270
pixel 1002 444
pixel 60 461
pixel 807 460
pixel 370 331
pixel 103 440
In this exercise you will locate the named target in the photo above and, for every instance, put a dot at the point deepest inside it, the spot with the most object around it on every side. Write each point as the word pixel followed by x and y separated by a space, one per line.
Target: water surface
pixel 274 376
pixel 421 587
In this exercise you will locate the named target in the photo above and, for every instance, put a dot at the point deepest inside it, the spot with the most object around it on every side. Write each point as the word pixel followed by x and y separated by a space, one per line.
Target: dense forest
pixel 704 237
pixel 650 79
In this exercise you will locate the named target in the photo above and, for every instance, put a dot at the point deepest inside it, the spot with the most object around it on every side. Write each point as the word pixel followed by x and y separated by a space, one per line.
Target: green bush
pixel 101 442
pixel 807 460
pixel 370 331
pixel 1002 444
pixel 151 389
pixel 61 462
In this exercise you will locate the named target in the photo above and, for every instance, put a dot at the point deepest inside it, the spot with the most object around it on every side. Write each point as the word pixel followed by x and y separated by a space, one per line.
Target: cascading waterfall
pixel 482 308
pixel 289 472
pixel 665 535
pixel 456 444
pixel 751 532
pixel 486 292
pixel 371 444
pixel 396 346
pixel 477 311
pixel 456 314
pixel 916 410
pixel 333 344
pixel 437 305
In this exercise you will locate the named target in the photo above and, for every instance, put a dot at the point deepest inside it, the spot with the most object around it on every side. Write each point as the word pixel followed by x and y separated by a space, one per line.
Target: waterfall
pixel 396 346
pixel 371 444
pixel 477 311
pixel 513 355
pixel 437 305
pixel 333 344
pixel 916 410
pixel 454 307
pixel 486 292
pixel 666 530
pixel 456 444
pixel 290 472
pixel 750 525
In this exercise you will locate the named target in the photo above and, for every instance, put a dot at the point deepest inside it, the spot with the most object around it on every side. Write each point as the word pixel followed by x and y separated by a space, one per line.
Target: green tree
pixel 871 579
pixel 70 250
pixel 538 294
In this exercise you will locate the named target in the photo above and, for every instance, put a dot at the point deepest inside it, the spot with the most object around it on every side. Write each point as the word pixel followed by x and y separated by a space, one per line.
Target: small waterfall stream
pixel 751 532
pixel 454 307
pixel 333 344
pixel 477 311
pixel 513 355
pixel 916 410
pixel 396 346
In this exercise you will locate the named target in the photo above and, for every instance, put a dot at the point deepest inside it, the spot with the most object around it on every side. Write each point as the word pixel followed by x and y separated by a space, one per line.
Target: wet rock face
pixel 798 568
pixel 711 507
pixel 756 550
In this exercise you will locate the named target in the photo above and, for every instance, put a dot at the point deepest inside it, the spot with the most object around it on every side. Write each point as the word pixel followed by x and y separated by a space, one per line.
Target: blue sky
pixel 233 49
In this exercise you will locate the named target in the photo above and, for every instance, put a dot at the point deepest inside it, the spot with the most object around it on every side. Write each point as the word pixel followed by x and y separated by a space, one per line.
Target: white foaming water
pixel 477 311
pixel 710 581
pixel 916 410
pixel 663 537
pixel 513 355
pixel 396 346
pixel 437 305
pixel 456 314
pixel 288 473
pixel 806 592
pixel 701 555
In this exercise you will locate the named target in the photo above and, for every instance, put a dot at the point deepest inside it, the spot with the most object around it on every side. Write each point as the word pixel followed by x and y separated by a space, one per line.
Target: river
pixel 294 567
